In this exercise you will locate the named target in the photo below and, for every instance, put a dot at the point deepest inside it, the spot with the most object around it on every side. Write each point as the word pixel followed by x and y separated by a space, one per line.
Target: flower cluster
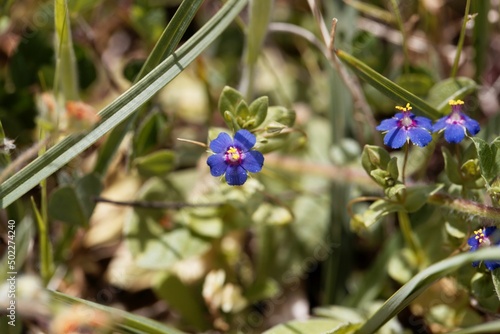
pixel 235 157
pixel 405 127
pixel 485 237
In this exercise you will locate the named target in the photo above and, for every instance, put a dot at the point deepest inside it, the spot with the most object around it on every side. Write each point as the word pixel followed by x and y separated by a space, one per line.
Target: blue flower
pixel 485 237
pixel 456 123
pixel 405 127
pixel 234 157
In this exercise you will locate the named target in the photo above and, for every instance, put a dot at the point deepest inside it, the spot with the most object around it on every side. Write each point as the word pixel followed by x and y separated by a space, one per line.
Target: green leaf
pixel 64 205
pixel 149 133
pixel 262 290
pixel 121 108
pixel 125 320
pixel 184 300
pixel 313 326
pixel 158 163
pixel 377 210
pixel 87 189
pixel 66 72
pixel 411 290
pixel 450 89
pixel 374 157
pixel 482 286
pixel 258 111
pixel 260 15
pixel 417 196
pixel 495 276
pixel 487 156
pixel 228 102
pixel 278 118
pixel 387 87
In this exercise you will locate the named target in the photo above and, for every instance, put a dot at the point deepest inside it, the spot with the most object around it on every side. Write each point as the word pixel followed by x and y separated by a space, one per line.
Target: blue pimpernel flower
pixel 456 123
pixel 235 157
pixel 485 237
pixel 405 127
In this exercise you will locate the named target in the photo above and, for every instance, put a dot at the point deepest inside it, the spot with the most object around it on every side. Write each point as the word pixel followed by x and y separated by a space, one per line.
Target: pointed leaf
pixel 64 205
pixel 158 163
pixel 229 100
pixel 486 155
pixel 258 110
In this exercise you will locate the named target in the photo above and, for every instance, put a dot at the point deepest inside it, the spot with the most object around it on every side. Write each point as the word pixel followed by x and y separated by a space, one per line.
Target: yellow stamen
pixel 233 153
pixel 455 102
pixel 407 108
pixel 479 235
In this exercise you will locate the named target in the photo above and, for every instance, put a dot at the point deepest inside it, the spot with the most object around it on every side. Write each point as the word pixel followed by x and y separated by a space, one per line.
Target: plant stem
pixel 461 39
pixel 405 161
pixel 46 264
pixel 484 214
pixel 409 236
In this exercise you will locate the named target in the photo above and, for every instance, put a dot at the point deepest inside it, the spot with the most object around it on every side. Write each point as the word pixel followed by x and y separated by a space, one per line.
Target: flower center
pixel 233 155
pixel 481 238
pixel 407 121
pixel 455 117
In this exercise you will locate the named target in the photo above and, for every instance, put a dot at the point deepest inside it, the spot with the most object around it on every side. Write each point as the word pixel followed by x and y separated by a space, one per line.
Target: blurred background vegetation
pixel 265 253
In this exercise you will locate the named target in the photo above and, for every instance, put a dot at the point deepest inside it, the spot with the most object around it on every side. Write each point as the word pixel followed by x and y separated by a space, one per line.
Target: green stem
pixel 460 45
pixel 405 161
pixel 401 26
pixel 42 219
pixel 409 236
pixel 483 214
pixel 46 264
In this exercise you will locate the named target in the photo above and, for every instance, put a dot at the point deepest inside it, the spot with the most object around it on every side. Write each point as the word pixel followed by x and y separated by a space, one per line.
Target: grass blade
pixel 386 86
pixel 408 292
pixel 128 322
pixel 121 108
pixel 66 73
pixel 167 43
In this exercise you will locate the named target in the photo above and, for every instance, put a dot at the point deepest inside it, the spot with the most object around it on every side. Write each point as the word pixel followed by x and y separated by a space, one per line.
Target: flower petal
pixel 244 139
pixel 471 125
pixel 253 161
pixel 395 138
pixel 236 175
pixel 473 243
pixel 440 124
pixel 217 164
pixel 388 124
pixel 492 265
pixel 424 122
pixel 221 143
pixel 454 133
pixel 419 136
